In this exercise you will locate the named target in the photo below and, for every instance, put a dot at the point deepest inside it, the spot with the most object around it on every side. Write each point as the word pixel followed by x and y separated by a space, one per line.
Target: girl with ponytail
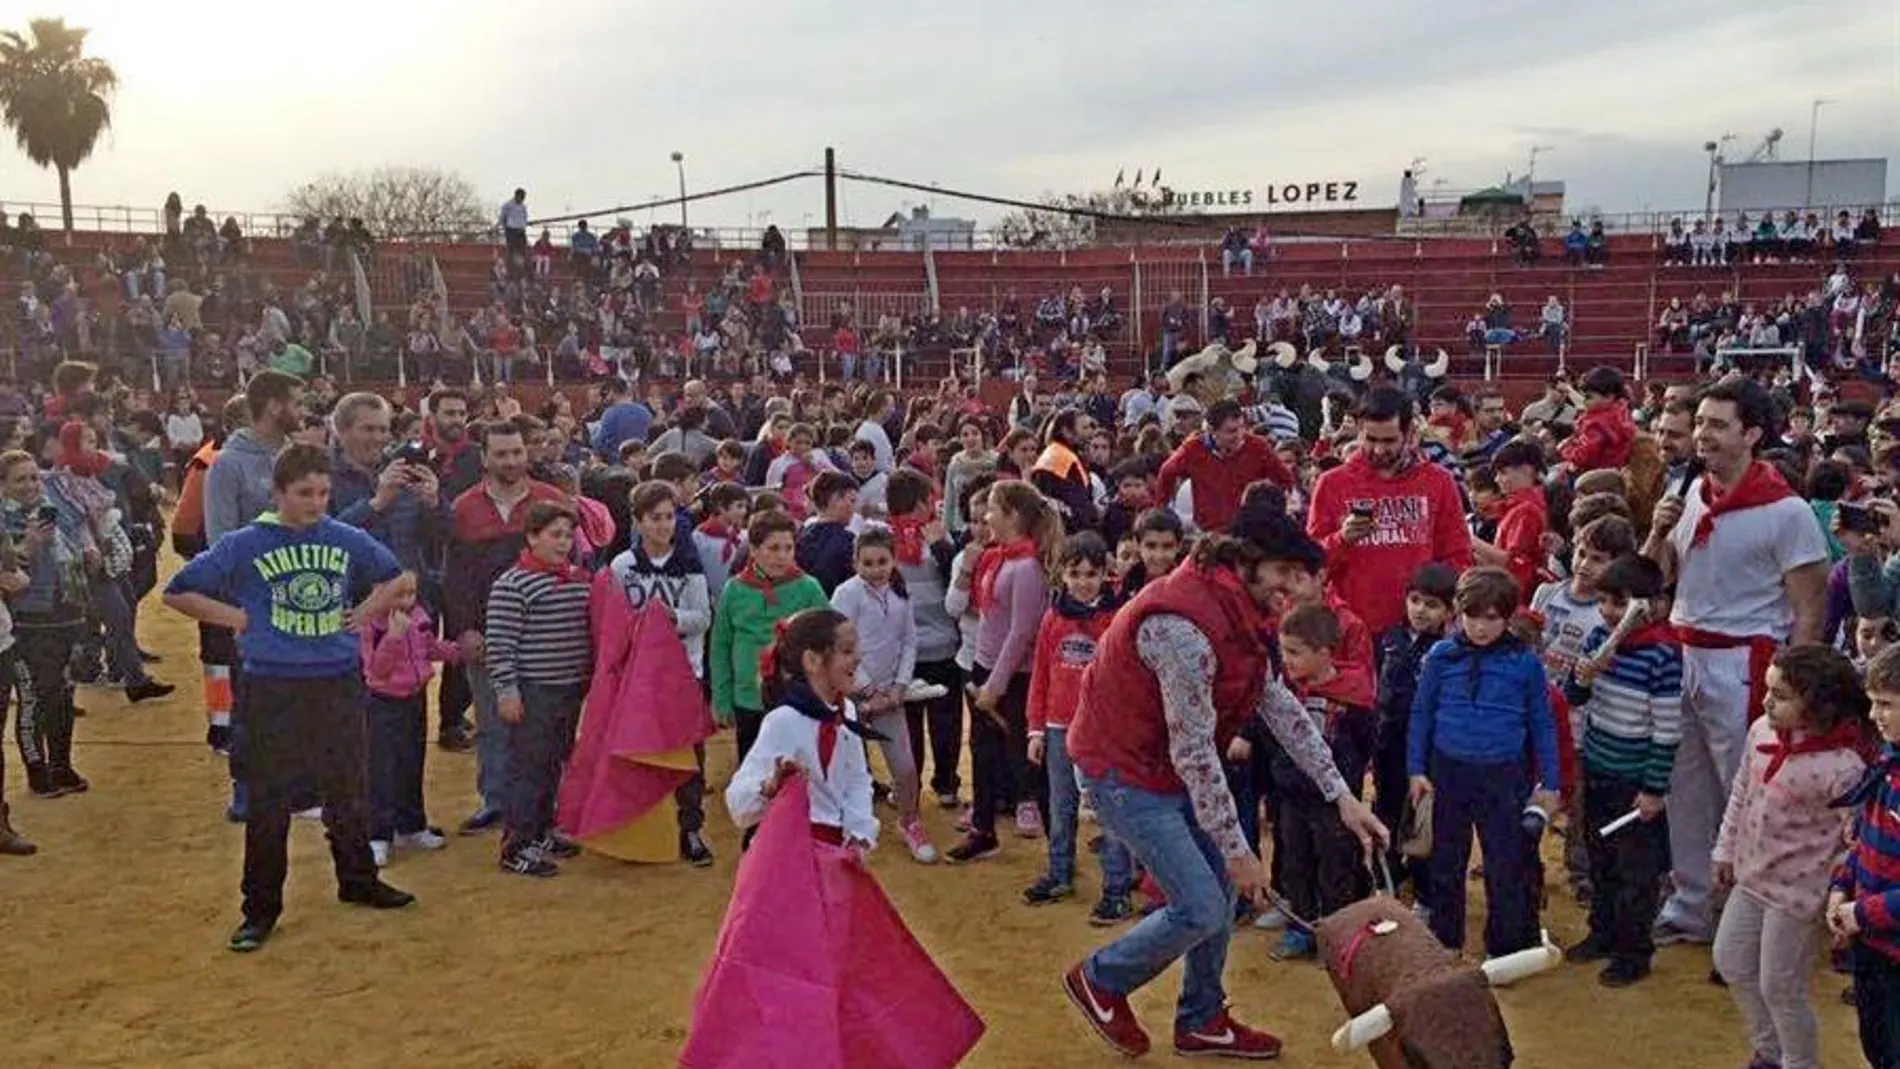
pixel 804 905
pixel 1010 591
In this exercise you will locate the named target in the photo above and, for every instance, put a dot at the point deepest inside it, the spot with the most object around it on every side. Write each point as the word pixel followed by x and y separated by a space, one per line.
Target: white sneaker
pixel 921 691
pixel 379 849
pixel 426 839
pixel 313 813
pixel 1271 919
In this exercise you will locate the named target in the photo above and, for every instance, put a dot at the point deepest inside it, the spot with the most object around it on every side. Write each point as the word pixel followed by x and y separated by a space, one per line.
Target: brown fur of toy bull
pixel 1442 1011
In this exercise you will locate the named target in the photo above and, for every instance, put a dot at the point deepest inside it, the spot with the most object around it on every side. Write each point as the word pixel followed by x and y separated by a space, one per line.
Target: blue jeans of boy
pixel 1065 803
pixel 1487 798
pixel 1196 924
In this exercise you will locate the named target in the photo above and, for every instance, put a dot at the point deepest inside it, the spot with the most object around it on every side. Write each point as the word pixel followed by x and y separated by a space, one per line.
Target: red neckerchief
pixel 1844 736
pixel 77 460
pixel 990 564
pixel 1760 484
pixel 908 533
pixel 722 531
pixel 561 571
pixel 755 577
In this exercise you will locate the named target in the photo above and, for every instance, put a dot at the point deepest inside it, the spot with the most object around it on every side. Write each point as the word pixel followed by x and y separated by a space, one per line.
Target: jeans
pixel 941 721
pixel 398 731
pixel 1170 346
pixel 1230 257
pixel 491 740
pixel 115 614
pixel 1323 871
pixel 1490 799
pixel 1065 801
pixel 1196 924
pixel 537 752
pixel 1626 869
pixel 1877 1003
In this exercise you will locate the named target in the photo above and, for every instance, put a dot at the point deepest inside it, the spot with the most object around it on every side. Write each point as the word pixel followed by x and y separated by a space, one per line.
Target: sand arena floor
pixel 114 943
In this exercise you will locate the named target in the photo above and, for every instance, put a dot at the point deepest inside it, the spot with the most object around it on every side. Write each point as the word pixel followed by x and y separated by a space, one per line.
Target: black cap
pixel 1263 521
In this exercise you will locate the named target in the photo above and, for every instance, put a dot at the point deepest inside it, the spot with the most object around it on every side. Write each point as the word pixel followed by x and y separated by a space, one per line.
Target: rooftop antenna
pixel 1536 151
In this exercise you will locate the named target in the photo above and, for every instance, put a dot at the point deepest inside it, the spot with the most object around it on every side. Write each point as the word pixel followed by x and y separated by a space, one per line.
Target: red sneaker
pixel 1109 1015
pixel 1224 1037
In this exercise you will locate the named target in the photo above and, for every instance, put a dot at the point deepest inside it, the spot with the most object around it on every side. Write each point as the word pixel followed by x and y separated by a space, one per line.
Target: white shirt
pixel 872 431
pixel 1733 584
pixel 887 632
pixel 514 215
pixel 1567 620
pixel 185 431
pixel 840 794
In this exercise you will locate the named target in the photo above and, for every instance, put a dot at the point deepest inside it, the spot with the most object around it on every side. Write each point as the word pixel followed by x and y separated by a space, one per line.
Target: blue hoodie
pixel 1484 705
pixel 293 586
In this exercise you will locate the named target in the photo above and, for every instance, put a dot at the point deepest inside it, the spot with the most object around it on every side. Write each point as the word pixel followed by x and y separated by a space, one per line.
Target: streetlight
pixel 1714 149
pixel 1814 122
pixel 679 162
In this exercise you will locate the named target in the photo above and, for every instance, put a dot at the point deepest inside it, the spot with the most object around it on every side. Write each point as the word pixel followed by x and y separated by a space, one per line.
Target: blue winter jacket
pixel 1483 705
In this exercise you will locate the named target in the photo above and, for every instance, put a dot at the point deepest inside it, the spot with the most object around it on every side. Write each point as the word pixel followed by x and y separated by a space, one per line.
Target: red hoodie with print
pixel 1521 537
pixel 1417 517
pixel 1603 438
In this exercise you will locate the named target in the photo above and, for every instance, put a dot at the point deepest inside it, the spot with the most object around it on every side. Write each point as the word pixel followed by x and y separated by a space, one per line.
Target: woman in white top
pixel 184 429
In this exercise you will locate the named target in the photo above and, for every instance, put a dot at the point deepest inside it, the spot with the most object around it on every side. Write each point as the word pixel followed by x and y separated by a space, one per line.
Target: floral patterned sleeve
pixel 1183 663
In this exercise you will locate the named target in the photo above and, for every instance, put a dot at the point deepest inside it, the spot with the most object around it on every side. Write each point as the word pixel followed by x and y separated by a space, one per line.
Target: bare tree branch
pixel 396 202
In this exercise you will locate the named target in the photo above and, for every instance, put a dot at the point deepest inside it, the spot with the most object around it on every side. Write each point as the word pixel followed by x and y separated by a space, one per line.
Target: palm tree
pixel 55 97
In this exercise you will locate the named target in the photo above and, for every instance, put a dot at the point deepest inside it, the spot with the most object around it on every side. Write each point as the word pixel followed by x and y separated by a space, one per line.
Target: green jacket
pixel 743 627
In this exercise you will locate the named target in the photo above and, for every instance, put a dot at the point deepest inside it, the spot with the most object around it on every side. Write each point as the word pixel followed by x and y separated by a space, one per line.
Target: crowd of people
pixel 1172 619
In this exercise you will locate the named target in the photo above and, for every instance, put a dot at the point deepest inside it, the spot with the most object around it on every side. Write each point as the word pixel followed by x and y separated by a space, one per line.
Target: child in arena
pixel 1518 544
pixel 1859 913
pixel 720 534
pixel 768 589
pixel 1323 870
pixel 1009 592
pixel 824 542
pixel 792 471
pixel 1132 480
pixel 805 905
pixel 1605 432
pixel 398 654
pixel 924 553
pixel 1632 723
pixel 1399 655
pixel 1482 708
pixel 290 573
pixel 1780 836
pixel 652 571
pixel 1162 542
pixel 540 653
pixel 878 605
pixel 1065 645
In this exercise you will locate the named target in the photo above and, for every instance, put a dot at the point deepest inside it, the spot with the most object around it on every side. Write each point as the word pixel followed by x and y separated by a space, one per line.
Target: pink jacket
pixel 400 667
pixel 1780 835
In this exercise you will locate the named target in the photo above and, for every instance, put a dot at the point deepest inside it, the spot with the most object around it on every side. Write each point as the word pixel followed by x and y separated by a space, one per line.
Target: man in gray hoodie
pixel 238 485
pixel 238 490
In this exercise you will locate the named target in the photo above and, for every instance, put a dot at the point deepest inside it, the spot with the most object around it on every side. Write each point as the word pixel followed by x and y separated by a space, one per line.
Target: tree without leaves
pixel 396 202
pixel 1056 226
pixel 55 98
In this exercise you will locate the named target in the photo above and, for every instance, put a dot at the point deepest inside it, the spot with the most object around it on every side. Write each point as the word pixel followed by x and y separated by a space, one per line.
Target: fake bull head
pixel 1223 372
pixel 1416 1005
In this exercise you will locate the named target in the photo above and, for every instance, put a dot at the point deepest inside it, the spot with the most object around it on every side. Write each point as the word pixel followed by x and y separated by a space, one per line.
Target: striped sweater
pixel 1633 718
pixel 1870 876
pixel 537 631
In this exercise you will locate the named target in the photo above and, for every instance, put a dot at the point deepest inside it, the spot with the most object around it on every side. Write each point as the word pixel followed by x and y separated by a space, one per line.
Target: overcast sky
pixel 233 102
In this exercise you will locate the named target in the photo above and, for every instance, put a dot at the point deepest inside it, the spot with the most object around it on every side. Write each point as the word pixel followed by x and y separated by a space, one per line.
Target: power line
pixel 668 202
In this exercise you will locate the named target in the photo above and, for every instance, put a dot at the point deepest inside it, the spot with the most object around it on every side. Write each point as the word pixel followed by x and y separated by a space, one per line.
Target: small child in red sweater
pixel 1065 644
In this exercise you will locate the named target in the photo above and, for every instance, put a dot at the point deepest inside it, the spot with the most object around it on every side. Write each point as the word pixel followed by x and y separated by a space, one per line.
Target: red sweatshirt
pixel 1219 481
pixel 1603 438
pixel 1418 517
pixel 1065 644
pixel 1521 534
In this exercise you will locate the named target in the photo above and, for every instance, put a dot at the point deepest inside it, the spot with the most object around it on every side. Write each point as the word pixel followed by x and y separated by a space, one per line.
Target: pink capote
pixel 644 714
pixel 814 968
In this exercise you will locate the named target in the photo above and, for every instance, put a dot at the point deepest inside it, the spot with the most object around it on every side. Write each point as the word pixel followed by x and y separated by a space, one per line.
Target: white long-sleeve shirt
pixel 840 794
pixel 686 595
pixel 887 632
pixel 514 215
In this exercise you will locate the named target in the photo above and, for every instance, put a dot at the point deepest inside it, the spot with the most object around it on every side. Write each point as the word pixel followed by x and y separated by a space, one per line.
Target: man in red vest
pixel 1180 671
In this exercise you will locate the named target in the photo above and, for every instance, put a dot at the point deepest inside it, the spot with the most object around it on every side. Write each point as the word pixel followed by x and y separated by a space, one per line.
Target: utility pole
pixel 831 199
pixel 679 162
pixel 1814 121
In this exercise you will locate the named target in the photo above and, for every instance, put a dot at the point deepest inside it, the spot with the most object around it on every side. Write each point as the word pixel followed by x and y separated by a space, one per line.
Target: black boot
pixel 375 895
pixel 39 780
pixel 12 843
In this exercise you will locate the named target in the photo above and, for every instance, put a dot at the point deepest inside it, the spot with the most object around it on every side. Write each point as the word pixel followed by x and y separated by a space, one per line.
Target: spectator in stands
pixel 1576 244
pixel 1559 407
pixel 513 220
pixel 1525 248
pixel 306 243
pixel 1867 232
pixel 583 249
pixel 232 247
pixel 543 255
pixel 1672 326
pixel 1174 328
pixel 1235 250
pixel 1675 245
pixel 1703 248
pixel 1597 245
pixel 1220 322
pixel 772 249
pixel 1554 324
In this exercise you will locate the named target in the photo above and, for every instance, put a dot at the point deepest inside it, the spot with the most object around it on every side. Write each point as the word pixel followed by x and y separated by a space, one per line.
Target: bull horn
pixel 1363 1029
pixel 1437 368
pixel 1393 361
pixel 1243 358
pixel 1360 369
pixel 1284 354
pixel 1317 361
pixel 1507 970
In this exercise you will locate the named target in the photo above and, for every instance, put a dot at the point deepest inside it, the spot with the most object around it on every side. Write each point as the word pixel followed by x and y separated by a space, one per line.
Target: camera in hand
pixel 1859 518
pixel 1362 509
pixel 413 453
pixel 47 515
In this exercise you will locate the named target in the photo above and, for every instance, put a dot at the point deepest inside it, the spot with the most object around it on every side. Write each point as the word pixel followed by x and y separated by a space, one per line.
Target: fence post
pixel 1134 314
